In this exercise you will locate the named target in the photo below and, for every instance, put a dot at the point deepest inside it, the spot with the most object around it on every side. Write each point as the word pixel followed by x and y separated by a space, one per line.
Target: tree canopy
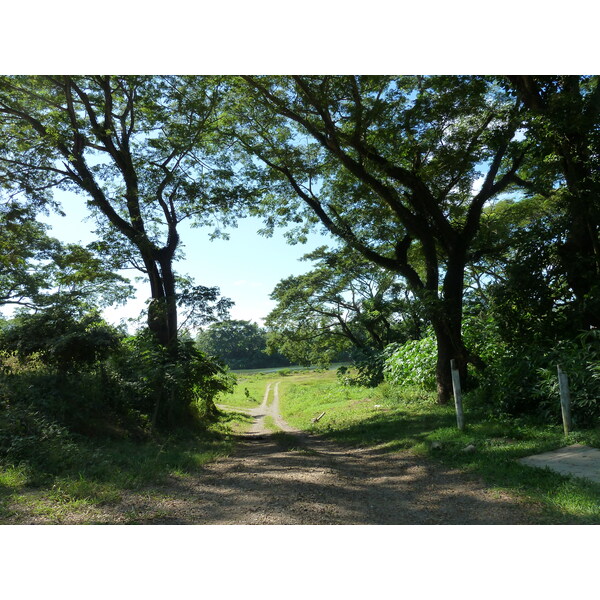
pixel 36 270
pixel 239 344
pixel 343 304
pixel 399 168
pixel 139 149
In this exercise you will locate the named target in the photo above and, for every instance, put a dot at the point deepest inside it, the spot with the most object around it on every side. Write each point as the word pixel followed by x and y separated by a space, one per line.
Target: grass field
pixel 412 420
pixel 249 391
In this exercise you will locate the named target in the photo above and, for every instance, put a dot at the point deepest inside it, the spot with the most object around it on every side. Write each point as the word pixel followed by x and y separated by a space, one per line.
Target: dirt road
pixel 322 483
pixel 308 480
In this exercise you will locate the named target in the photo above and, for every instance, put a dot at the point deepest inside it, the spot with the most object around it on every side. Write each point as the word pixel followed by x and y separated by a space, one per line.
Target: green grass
pixel 97 473
pixel 288 442
pixel 412 420
pixel 269 423
pixel 249 391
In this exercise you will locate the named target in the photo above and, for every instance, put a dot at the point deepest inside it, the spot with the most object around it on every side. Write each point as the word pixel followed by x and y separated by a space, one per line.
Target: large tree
pixel 399 168
pixel 139 149
pixel 563 115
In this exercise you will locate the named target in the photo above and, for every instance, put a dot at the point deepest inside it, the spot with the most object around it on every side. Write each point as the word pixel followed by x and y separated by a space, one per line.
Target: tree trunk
pixel 168 278
pixel 447 325
pixel 449 346
pixel 162 312
pixel 162 321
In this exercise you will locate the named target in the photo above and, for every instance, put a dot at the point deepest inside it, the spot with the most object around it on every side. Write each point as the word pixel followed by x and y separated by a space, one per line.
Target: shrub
pixel 580 360
pixel 369 371
pixel 172 387
pixel 61 339
pixel 28 436
pixel 412 364
pixel 523 380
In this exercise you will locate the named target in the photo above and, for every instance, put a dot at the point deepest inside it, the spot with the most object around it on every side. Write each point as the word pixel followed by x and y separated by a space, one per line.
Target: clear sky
pixel 246 267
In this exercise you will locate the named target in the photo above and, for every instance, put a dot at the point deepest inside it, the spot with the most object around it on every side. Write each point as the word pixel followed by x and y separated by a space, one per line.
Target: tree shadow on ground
pixel 329 486
pixel 498 446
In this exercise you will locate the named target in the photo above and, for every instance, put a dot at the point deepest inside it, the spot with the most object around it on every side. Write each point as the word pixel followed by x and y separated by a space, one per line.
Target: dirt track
pixel 315 482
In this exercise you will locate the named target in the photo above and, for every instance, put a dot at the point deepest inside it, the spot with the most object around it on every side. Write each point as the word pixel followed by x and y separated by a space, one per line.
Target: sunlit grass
pixel 412 420
pixel 249 391
pixel 270 424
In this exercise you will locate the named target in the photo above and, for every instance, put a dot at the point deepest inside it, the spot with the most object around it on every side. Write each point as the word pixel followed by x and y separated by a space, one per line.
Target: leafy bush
pixel 26 435
pixel 523 380
pixel 369 371
pixel 412 364
pixel 508 384
pixel 81 377
pixel 172 387
pixel 60 338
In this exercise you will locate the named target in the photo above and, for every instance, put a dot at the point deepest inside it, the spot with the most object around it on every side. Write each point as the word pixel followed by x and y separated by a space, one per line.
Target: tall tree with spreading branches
pixel 141 151
pixel 399 168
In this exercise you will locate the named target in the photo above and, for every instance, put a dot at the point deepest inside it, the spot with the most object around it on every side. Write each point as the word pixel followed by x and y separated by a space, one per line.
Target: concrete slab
pixel 576 460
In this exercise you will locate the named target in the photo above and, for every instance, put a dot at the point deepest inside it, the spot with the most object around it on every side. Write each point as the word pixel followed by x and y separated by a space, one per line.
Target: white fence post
pixel 565 399
pixel 460 419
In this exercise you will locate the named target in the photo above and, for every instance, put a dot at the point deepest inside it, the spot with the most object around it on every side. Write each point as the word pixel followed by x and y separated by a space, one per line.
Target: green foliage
pixel 173 389
pixel 343 305
pixel 580 359
pixel 38 271
pixel 62 377
pixel 61 338
pixel 239 344
pixel 521 378
pixel 367 371
pixel 412 364
pixel 30 437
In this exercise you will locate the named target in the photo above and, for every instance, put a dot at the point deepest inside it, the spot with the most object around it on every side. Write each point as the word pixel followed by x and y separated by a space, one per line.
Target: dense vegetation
pixel 465 213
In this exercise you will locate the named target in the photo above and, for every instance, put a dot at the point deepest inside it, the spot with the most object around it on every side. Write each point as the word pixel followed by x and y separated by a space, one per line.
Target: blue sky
pixel 246 267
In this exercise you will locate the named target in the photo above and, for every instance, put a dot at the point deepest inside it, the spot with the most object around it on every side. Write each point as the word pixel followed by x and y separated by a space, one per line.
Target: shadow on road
pixel 277 478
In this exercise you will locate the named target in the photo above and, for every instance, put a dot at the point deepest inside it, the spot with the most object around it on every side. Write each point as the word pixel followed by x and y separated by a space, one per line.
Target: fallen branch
pixel 315 419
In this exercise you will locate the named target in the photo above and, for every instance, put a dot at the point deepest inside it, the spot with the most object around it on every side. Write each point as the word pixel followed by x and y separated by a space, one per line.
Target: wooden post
pixel 565 399
pixel 460 419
